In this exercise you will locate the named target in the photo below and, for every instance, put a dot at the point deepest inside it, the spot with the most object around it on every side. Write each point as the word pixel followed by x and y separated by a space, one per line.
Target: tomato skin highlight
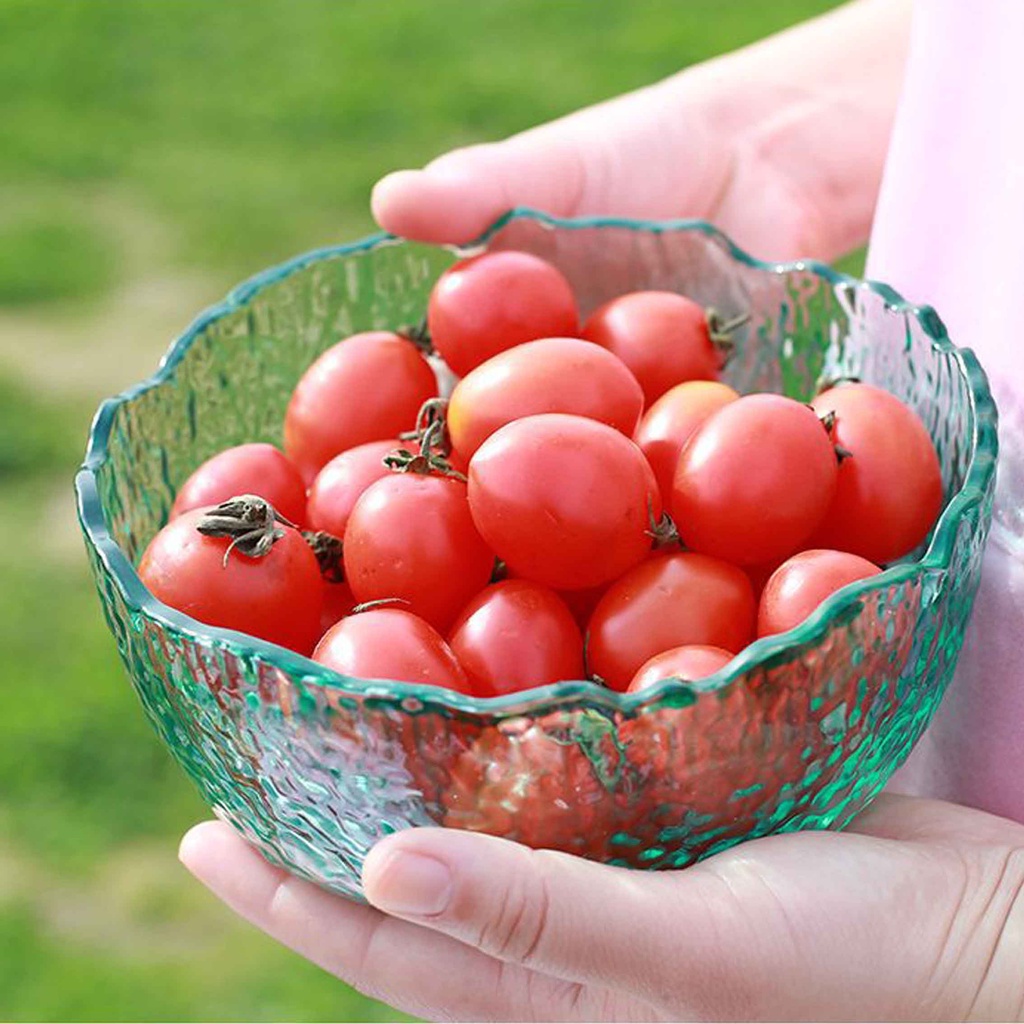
pixel 340 483
pixel 796 589
pixel 259 469
pixel 278 597
pixel 672 420
pixel 492 302
pixel 662 337
pixel 391 644
pixel 754 480
pixel 668 601
pixel 515 635
pixel 564 375
pixel 889 492
pixel 368 387
pixel 688 663
pixel 411 536
pixel 562 500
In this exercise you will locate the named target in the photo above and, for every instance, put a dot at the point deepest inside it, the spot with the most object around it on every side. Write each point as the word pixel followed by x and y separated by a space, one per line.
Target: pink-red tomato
pixel 338 602
pixel 492 302
pixel 514 635
pixel 688 663
pixel 411 536
pixel 276 597
pixel 754 480
pixel 562 500
pixel 366 388
pixel 800 584
pixel 339 484
pixel 889 491
pixel 662 337
pixel 259 469
pixel 668 601
pixel 550 375
pixel 391 644
pixel 671 421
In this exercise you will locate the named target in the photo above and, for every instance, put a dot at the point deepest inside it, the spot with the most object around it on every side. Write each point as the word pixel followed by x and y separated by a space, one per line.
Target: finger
pixel 412 968
pixel 584 163
pixel 913 819
pixel 556 914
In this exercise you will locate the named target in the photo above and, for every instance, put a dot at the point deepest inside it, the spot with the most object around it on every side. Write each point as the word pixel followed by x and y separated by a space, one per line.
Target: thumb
pixel 585 163
pixel 563 916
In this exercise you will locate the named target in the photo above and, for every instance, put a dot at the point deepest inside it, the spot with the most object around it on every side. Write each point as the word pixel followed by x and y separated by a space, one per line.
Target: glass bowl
pixel 800 731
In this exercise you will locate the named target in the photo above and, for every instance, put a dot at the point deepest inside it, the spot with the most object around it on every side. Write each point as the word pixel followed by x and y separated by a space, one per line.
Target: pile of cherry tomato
pixel 589 502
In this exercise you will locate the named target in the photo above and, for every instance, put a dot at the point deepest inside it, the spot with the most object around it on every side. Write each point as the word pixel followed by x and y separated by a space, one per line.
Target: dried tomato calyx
pixel 250 521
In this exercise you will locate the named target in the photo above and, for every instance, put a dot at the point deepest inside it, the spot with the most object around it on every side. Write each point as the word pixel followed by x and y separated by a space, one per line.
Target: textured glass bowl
pixel 800 731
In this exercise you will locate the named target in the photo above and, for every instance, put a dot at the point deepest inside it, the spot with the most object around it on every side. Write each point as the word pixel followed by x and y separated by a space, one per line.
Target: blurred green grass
pixel 151 154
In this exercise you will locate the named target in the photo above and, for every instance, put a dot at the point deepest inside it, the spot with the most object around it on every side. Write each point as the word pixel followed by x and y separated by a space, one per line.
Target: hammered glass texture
pixel 314 768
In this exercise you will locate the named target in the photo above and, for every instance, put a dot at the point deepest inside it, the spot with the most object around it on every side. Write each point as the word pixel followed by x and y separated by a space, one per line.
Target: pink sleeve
pixel 949 231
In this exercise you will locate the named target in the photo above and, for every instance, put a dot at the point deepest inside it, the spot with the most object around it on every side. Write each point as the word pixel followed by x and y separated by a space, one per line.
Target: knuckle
pixel 518 928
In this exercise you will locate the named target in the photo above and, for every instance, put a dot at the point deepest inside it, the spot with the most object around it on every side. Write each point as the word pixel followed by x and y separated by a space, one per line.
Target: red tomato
pixel 563 500
pixel 687 663
pixel 669 423
pixel 366 388
pixel 522 780
pixel 889 491
pixel 486 304
pixel 514 635
pixel 410 536
pixel 754 481
pixel 668 601
pixel 246 469
pixel 339 484
pixel 551 375
pixel 392 644
pixel 338 602
pixel 277 596
pixel 799 586
pixel 664 338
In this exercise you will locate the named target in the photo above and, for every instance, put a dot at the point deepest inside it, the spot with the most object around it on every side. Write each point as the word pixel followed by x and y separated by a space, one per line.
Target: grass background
pixel 151 154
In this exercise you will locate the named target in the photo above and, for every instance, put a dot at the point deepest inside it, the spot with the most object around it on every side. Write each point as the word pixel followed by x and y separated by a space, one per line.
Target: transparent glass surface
pixel 801 731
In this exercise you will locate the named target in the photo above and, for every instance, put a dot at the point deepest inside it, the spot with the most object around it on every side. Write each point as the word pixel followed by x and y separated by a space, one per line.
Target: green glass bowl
pixel 800 731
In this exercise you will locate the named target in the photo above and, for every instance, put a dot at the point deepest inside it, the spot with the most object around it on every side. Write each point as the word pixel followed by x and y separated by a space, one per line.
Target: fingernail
pixel 411 884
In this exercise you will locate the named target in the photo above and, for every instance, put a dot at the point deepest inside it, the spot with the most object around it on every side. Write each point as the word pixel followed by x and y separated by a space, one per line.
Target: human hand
pixel 781 145
pixel 916 913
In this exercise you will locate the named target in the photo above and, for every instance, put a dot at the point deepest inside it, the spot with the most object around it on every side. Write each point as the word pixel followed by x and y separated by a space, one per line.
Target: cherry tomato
pixel 277 596
pixel 551 375
pixel 410 536
pixel 545 784
pixel 668 601
pixel 246 469
pixel 391 644
pixel 800 584
pixel 514 635
pixel 664 338
pixel 754 481
pixel 563 500
pixel 339 484
pixel 338 602
pixel 889 491
pixel 669 423
pixel 486 304
pixel 366 388
pixel 687 663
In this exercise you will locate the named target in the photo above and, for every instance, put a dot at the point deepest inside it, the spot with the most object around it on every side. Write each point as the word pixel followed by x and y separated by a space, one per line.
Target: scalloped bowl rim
pixel 553 696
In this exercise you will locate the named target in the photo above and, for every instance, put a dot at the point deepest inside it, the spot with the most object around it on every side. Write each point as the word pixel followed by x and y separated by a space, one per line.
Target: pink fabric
pixel 949 231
